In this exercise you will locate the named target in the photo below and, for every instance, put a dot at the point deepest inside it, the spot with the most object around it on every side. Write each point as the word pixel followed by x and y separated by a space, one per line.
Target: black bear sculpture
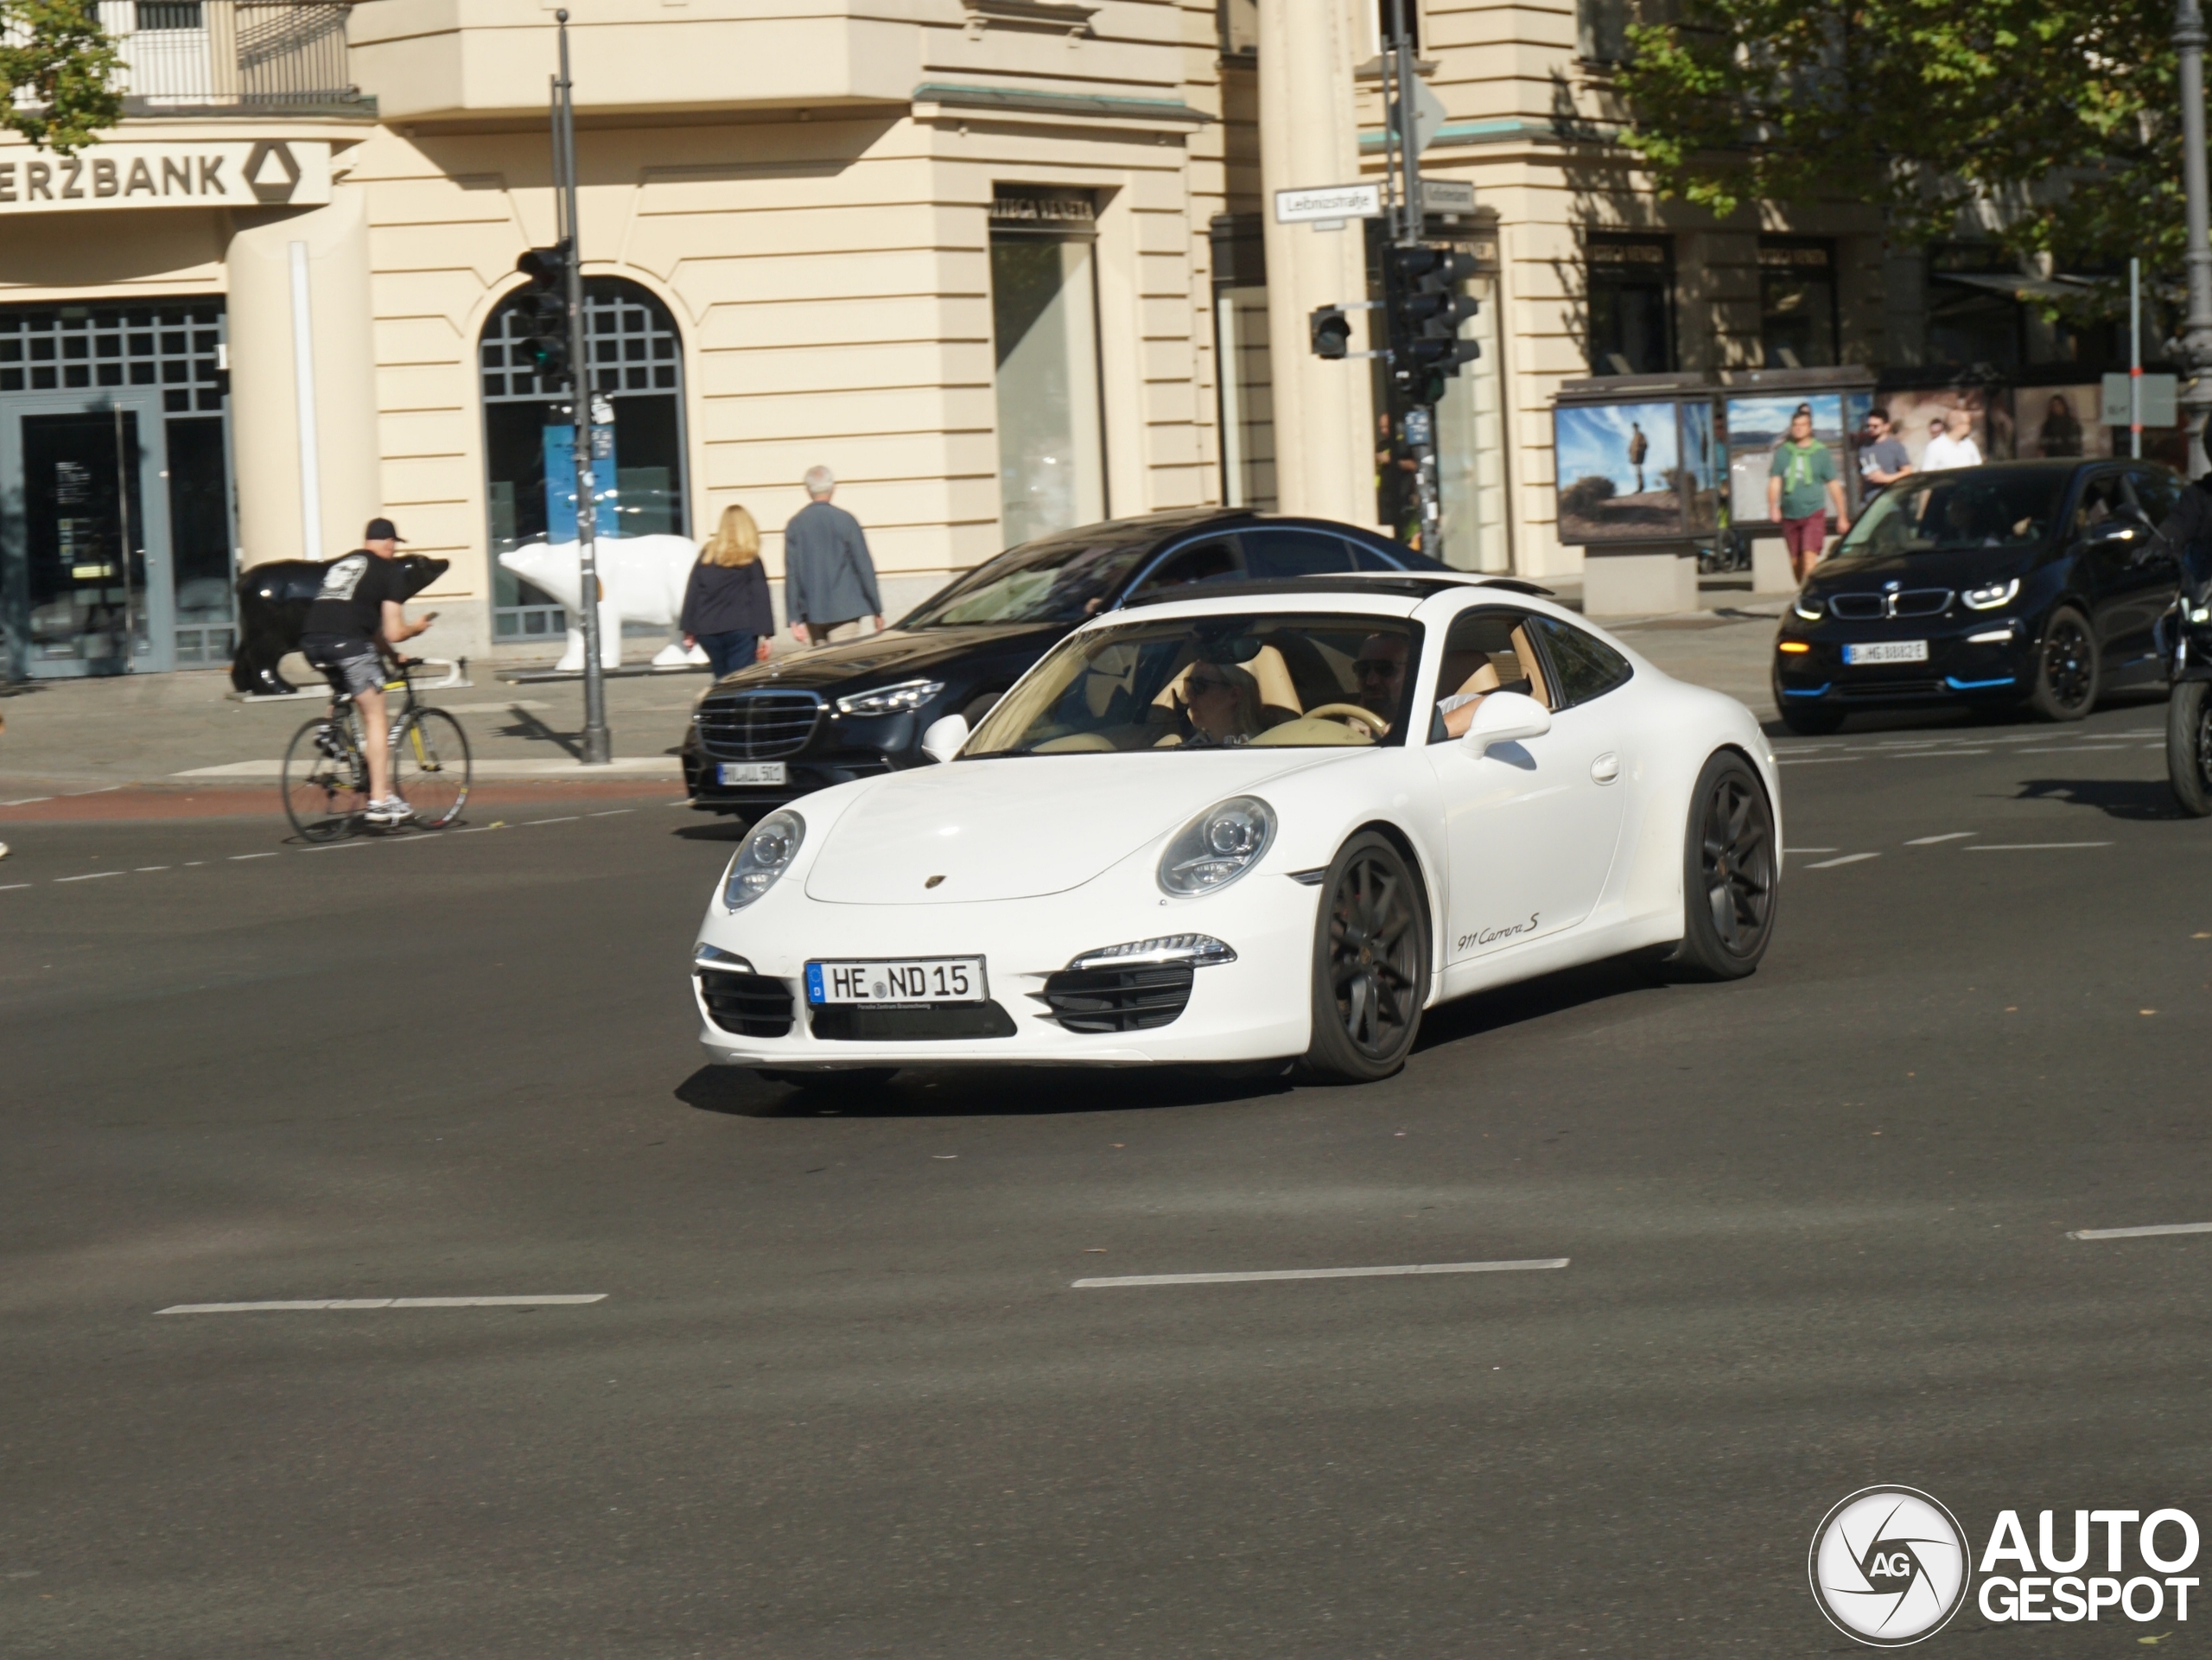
pixel 273 600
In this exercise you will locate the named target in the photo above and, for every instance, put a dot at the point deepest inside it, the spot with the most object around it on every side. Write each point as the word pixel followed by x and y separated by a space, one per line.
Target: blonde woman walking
pixel 726 608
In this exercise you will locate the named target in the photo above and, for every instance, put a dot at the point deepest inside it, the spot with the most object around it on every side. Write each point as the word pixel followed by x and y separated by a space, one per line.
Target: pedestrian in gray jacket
pixel 828 579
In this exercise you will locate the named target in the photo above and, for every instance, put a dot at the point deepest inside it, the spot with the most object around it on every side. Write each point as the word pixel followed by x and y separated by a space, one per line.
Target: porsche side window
pixel 1287 552
pixel 1584 665
pixel 1215 560
pixel 1485 650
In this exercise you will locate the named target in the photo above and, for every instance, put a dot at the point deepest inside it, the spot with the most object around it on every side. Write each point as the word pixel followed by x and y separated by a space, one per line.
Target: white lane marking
pixel 2029 847
pixel 91 876
pixel 380 1302
pixel 30 800
pixel 2140 1233
pixel 472 829
pixel 334 846
pixel 612 812
pixel 1818 760
pixel 236 856
pixel 1847 859
pixel 2071 749
pixel 1948 835
pixel 142 870
pixel 1323 1273
pixel 570 820
pixel 1802 849
pixel 189 863
pixel 1921 754
pixel 10 886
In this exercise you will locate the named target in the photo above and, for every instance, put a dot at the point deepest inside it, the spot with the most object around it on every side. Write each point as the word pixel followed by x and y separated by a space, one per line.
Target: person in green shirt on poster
pixel 1801 486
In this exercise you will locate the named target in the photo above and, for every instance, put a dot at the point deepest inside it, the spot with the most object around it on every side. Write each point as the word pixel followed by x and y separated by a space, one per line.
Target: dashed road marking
pixel 611 812
pixel 2071 749
pixel 1809 849
pixel 1948 835
pixel 91 876
pixel 143 869
pixel 1847 859
pixel 570 820
pixel 1323 1273
pixel 2030 847
pixel 1817 761
pixel 307 1305
pixel 2141 1233
pixel 236 856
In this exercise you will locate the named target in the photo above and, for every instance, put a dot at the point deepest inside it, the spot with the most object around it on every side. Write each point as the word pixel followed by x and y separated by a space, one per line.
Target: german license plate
pixel 752 771
pixel 1888 651
pixel 897 980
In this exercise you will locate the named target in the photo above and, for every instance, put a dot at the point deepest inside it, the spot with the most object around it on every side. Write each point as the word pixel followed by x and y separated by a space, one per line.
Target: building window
pixel 1244 379
pixel 1797 302
pixel 1631 292
pixel 1240 29
pixel 1975 313
pixel 1601 26
pixel 1382 20
pixel 1045 339
pixel 636 374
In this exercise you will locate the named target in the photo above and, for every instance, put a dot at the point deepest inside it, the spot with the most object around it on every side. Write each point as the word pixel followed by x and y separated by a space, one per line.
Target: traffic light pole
pixel 599 744
pixel 1416 417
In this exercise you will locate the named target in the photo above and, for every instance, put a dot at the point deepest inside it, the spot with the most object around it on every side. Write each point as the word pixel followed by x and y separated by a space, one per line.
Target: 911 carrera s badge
pixel 934 881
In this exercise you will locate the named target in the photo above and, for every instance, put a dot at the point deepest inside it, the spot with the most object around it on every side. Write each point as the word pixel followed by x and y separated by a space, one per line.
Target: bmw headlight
pixel 1809 609
pixel 1989 595
pixel 902 699
pixel 767 854
pixel 1219 846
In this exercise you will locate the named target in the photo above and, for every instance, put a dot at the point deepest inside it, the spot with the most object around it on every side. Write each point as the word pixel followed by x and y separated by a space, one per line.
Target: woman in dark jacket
pixel 726 606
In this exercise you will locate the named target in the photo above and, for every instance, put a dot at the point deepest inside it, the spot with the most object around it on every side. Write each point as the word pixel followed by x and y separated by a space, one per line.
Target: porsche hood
pixel 1016 828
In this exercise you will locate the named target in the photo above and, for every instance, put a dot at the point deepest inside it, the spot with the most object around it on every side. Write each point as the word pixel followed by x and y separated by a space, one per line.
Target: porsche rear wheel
pixel 1729 865
pixel 1370 964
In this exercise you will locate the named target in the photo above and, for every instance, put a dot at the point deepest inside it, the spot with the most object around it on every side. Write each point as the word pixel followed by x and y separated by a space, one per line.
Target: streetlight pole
pixel 599 745
pixel 2196 329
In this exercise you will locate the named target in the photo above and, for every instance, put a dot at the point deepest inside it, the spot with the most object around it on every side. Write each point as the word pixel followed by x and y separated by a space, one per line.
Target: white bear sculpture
pixel 642 577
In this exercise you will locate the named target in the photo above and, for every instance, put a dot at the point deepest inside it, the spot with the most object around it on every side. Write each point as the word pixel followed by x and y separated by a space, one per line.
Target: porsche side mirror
pixel 943 738
pixel 1507 717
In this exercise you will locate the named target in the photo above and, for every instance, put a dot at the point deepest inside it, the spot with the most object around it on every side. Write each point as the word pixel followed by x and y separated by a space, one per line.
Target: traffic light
pixel 1427 310
pixel 545 308
pixel 1331 330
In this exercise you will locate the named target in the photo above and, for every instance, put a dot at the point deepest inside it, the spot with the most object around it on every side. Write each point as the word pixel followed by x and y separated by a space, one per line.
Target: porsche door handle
pixel 1606 768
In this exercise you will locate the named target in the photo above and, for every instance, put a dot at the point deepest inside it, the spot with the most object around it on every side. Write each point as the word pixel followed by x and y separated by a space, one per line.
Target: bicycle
pixel 326 776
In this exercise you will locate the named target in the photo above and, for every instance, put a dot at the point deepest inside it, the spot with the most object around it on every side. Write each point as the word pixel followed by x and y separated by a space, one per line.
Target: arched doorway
pixel 637 368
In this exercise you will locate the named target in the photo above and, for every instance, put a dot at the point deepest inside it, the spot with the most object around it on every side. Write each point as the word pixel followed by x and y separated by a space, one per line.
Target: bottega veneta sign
pixel 245 173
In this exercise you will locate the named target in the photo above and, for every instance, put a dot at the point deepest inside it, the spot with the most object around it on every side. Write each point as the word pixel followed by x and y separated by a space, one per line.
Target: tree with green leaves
pixel 58 72
pixel 2055 123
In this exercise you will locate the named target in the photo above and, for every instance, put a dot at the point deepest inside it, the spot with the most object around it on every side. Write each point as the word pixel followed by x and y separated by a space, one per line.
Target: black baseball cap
pixel 381 530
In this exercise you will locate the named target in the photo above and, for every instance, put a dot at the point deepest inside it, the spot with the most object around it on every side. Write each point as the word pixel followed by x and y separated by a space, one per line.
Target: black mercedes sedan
pixel 772 732
pixel 2035 584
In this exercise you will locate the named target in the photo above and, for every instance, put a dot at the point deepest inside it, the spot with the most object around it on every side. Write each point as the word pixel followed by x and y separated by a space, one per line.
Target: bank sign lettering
pixel 264 173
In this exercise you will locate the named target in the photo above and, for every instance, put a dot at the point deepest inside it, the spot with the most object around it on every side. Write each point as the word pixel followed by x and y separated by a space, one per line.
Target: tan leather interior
pixel 1279 699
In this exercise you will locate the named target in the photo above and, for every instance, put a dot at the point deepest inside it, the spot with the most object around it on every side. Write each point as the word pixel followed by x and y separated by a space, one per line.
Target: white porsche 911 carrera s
pixel 1268 821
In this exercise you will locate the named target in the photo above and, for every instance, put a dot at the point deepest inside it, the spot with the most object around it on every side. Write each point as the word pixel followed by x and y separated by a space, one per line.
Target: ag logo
pixel 271 171
pixel 1888 1566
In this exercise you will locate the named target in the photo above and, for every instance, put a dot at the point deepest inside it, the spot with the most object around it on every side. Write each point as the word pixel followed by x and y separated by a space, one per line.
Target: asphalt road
pixel 840 1397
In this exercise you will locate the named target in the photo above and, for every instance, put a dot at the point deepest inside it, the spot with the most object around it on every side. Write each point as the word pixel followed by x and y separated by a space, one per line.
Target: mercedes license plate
pixel 752 772
pixel 1888 651
pixel 897 980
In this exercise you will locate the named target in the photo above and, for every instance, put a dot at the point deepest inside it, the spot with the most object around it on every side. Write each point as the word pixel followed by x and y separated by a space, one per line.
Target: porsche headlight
pixel 1219 846
pixel 902 699
pixel 1989 595
pixel 767 854
pixel 1809 609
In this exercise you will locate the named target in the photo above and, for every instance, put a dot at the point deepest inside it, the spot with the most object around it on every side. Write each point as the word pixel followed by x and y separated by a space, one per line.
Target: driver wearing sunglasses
pixel 1381 667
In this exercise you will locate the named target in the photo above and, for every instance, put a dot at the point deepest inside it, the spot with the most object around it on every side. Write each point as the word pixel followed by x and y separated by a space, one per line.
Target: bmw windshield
pixel 1959 509
pixel 1059 579
pixel 1299 680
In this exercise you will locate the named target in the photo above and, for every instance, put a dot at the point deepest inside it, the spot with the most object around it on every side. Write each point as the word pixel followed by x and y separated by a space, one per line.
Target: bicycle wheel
pixel 430 767
pixel 325 783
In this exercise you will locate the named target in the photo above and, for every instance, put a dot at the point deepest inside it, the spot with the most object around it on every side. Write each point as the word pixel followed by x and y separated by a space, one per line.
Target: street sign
pixel 1446 196
pixel 1418 429
pixel 2158 400
pixel 1332 201
pixel 1427 115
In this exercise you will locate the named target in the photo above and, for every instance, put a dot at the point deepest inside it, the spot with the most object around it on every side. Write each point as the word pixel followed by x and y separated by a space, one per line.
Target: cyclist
pixel 355 617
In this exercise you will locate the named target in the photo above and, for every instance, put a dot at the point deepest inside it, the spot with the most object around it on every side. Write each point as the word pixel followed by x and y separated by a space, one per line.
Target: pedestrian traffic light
pixel 545 308
pixel 1331 331
pixel 1425 311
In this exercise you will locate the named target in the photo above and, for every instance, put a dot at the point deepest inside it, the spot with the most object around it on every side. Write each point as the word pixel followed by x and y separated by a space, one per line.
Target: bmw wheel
pixel 1729 866
pixel 1370 964
pixel 2066 668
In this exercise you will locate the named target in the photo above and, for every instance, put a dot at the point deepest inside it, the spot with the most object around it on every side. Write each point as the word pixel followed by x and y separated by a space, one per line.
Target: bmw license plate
pixel 1888 651
pixel 752 771
pixel 897 980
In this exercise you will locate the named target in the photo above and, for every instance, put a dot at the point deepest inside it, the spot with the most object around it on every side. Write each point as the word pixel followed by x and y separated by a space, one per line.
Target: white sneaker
pixel 389 811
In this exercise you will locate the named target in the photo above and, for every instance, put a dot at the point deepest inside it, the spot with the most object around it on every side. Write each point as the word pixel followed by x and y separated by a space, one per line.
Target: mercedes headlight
pixel 1219 846
pixel 902 699
pixel 1989 595
pixel 1809 609
pixel 767 854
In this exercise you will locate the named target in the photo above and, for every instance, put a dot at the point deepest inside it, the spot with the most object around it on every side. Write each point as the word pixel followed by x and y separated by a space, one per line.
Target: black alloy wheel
pixel 1729 867
pixel 1370 964
pixel 2066 668
pixel 2189 747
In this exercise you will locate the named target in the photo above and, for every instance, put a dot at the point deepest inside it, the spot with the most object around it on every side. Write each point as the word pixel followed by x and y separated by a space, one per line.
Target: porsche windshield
pixel 1301 680
pixel 1059 579
pixel 1964 507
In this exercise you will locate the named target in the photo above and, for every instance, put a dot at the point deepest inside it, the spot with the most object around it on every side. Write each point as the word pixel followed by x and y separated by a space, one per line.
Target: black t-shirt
pixel 350 602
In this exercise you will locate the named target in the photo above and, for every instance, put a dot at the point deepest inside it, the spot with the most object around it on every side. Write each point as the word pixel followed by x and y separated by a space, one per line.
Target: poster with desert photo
pixel 1619 470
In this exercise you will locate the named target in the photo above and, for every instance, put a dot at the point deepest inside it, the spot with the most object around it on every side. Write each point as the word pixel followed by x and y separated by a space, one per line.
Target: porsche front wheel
pixel 1370 964
pixel 1729 866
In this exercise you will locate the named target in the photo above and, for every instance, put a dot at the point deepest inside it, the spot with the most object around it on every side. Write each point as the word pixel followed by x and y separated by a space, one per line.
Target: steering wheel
pixel 1351 712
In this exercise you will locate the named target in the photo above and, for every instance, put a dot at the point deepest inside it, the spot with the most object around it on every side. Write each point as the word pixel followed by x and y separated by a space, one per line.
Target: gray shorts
pixel 351 666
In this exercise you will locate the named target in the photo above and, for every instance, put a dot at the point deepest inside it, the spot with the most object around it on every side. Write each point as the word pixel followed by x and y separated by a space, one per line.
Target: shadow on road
pixel 1552 994
pixel 2139 800
pixel 721 828
pixel 966 1093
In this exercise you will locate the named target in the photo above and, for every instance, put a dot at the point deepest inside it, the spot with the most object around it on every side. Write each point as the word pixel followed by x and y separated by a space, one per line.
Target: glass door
pixel 84 535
